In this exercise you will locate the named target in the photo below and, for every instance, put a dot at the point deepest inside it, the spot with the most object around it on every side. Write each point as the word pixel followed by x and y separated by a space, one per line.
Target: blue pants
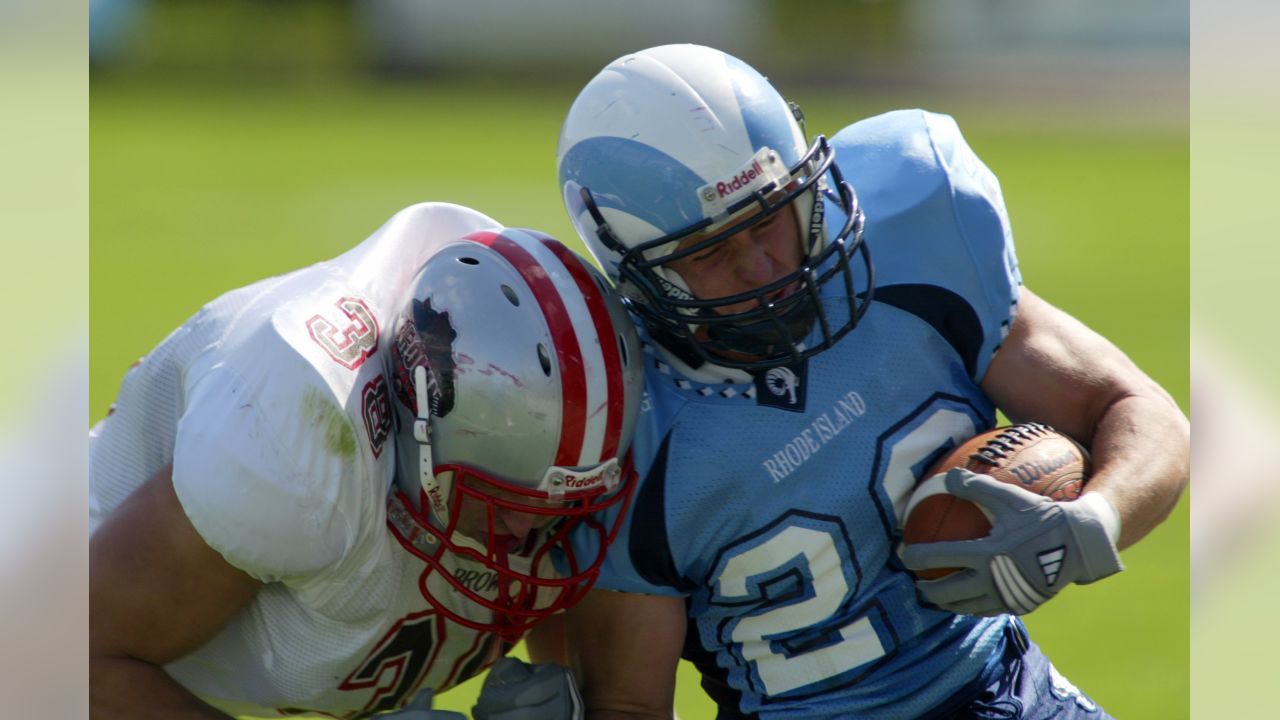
pixel 1021 685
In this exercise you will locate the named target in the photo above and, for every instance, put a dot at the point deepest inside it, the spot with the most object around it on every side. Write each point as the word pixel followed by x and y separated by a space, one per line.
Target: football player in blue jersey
pixel 809 351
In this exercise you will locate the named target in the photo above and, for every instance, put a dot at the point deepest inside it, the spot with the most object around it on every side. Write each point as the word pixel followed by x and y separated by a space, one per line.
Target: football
pixel 1030 455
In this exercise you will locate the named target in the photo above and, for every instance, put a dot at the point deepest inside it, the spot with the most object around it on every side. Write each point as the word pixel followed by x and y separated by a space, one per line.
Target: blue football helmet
pixel 683 140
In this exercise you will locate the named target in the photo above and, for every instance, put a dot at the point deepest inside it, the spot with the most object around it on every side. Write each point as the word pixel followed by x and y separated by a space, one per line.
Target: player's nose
pixel 753 263
pixel 519 524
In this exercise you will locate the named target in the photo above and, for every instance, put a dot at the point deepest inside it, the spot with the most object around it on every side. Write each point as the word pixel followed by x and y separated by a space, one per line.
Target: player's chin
pixel 752 308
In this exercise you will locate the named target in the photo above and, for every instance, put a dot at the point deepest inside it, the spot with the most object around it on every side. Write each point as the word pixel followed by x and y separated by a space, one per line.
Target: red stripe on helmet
pixel 594 298
pixel 568 352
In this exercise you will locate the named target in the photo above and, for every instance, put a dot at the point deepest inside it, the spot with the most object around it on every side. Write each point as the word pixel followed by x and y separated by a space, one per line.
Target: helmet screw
pixel 708 194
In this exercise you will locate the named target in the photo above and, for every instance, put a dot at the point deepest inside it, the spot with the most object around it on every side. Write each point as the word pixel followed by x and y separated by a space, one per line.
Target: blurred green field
pixel 194 191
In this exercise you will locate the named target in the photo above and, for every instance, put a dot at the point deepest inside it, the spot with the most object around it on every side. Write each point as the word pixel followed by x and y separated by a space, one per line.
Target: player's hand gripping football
pixel 1035 548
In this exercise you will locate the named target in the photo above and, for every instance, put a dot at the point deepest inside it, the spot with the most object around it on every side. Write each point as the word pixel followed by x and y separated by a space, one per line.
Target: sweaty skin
pixel 746 260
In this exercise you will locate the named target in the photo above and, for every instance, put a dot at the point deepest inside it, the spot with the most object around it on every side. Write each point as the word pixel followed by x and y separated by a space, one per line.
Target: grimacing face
pixel 745 261
pixel 474 514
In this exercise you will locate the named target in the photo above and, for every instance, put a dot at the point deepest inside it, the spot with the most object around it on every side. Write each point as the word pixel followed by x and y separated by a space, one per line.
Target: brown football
pixel 1030 455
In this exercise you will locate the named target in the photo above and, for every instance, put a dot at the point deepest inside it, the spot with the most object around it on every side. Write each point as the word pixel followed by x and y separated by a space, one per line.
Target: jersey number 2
pixel 795 575
pixel 799 575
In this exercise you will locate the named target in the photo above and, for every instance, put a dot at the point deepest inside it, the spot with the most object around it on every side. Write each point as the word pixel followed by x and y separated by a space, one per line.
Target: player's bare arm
pixel 1054 369
pixel 545 642
pixel 624 648
pixel 156 592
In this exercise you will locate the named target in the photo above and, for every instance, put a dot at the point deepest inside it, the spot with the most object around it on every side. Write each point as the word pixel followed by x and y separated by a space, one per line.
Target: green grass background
pixel 196 189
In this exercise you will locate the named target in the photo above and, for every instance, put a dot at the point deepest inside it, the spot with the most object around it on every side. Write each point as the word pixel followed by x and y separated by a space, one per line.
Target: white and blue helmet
pixel 683 139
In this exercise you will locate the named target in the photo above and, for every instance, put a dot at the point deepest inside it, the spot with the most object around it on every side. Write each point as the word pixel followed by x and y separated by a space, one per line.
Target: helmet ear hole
pixel 544 359
pixel 511 295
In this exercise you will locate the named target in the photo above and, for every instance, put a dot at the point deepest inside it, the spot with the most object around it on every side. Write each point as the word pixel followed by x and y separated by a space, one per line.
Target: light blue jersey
pixel 773 505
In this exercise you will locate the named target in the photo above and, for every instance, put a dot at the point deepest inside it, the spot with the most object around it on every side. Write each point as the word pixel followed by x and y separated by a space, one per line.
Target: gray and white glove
pixel 419 708
pixel 1035 548
pixel 516 690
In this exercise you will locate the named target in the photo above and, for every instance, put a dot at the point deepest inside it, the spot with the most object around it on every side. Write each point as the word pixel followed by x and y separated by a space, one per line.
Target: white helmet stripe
pixel 706 91
pixel 607 391
pixel 585 392
pixel 603 370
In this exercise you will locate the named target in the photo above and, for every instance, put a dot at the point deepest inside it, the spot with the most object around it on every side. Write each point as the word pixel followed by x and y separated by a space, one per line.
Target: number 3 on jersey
pixel 350 341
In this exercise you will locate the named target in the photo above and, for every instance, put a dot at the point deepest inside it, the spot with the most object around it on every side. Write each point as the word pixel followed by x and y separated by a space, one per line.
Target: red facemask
pixel 534 576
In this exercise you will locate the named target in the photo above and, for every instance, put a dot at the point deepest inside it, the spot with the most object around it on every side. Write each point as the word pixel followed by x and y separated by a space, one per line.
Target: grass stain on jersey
pixel 339 437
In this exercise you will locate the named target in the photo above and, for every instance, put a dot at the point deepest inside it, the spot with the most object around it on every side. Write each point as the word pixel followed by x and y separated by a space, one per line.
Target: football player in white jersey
pixel 334 491
pixel 794 396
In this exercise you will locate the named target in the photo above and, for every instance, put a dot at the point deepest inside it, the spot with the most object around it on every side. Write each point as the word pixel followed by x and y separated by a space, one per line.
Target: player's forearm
pixel 1141 454
pixel 130 689
pixel 616 714
pixel 605 697
pixel 546 642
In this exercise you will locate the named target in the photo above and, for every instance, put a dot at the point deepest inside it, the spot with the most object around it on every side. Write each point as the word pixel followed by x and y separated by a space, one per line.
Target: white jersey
pixel 282 447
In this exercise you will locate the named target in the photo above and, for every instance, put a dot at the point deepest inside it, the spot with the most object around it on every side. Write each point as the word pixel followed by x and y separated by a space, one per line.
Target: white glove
pixel 419 708
pixel 516 690
pixel 1035 548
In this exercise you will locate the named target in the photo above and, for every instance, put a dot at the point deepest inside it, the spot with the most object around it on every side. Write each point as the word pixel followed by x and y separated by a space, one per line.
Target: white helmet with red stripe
pixel 518 380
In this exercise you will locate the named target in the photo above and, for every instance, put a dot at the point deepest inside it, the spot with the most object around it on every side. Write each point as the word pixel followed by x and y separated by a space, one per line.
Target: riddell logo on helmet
pixel 763 169
pixel 559 480
pixel 582 481
pixel 739 181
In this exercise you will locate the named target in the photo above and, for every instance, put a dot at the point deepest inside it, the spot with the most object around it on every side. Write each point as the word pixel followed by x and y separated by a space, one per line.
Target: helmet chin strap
pixel 436 488
pixel 431 485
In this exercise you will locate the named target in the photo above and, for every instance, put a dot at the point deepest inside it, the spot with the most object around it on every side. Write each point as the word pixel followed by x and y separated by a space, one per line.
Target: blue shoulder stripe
pixel 648 545
pixel 950 315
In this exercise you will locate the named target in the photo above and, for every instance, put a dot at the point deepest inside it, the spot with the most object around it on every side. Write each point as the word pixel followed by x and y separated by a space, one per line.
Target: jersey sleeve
pixel 640 559
pixel 935 221
pixel 268 503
